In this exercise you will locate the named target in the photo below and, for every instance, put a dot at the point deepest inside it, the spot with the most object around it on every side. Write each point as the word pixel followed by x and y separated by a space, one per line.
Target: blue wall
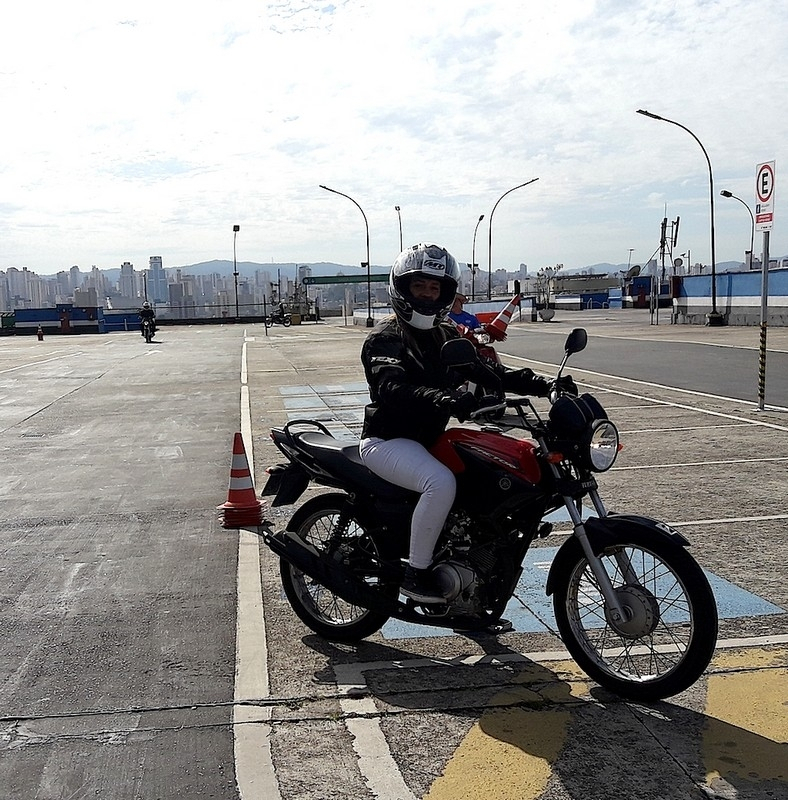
pixel 738 297
pixel 64 318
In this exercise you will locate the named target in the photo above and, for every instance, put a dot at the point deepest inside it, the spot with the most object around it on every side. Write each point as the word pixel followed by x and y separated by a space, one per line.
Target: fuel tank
pixel 515 455
pixel 493 471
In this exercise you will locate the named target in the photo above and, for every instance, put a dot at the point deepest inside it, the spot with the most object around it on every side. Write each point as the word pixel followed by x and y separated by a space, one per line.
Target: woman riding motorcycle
pixel 413 395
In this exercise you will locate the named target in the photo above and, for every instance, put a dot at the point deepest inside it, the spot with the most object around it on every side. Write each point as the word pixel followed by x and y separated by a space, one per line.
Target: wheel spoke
pixel 328 535
pixel 644 581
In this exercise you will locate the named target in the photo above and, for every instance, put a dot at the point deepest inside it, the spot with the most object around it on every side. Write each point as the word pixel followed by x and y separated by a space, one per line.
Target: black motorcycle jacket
pixel 410 389
pixel 413 393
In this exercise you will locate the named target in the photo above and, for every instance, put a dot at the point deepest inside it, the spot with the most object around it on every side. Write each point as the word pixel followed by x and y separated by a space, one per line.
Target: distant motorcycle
pixel 278 318
pixel 148 331
pixel 632 606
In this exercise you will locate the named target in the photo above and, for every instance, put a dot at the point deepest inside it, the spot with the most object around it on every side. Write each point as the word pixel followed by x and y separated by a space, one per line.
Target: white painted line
pixel 682 428
pixel 658 386
pixel 254 766
pixel 728 520
pixel 693 408
pixel 42 361
pixel 684 464
pixel 375 762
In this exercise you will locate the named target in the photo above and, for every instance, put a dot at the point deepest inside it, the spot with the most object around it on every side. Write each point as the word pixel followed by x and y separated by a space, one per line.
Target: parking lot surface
pixel 149 653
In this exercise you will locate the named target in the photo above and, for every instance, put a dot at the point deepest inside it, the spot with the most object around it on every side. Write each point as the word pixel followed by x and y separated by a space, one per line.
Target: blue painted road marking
pixel 340 407
pixel 531 610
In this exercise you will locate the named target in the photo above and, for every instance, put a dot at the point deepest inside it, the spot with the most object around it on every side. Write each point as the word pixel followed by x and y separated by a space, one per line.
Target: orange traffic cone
pixel 242 509
pixel 497 328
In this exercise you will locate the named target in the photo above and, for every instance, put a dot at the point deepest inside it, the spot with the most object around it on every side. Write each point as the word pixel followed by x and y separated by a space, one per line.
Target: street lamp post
pixel 473 257
pixel 715 317
pixel 370 321
pixel 236 228
pixel 726 193
pixel 489 240
pixel 399 216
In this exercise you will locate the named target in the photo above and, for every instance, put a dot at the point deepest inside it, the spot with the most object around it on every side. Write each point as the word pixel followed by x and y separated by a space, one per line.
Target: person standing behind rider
pixel 460 316
pixel 147 312
pixel 413 395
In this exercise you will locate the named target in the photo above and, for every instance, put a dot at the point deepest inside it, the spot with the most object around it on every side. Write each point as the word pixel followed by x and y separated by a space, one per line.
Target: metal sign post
pixel 764 218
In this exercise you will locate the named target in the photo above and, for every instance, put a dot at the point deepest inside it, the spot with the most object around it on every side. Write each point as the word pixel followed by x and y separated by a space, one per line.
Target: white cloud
pixel 138 127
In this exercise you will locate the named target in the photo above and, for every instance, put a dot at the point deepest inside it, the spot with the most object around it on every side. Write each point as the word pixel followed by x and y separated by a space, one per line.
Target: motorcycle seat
pixel 343 461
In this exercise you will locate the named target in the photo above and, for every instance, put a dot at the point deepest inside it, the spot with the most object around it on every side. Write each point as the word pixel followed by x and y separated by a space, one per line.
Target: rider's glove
pixel 496 334
pixel 462 404
pixel 566 385
pixel 525 381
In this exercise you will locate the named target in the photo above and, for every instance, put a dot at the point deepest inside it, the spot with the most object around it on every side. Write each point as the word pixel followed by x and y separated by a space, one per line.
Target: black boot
pixel 420 585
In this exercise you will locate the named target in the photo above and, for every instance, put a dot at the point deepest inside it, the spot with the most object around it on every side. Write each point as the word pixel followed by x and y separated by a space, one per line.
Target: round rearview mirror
pixel 576 341
pixel 458 353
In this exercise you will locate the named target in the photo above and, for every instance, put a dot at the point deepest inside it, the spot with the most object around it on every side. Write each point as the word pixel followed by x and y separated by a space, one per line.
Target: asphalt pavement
pixel 149 653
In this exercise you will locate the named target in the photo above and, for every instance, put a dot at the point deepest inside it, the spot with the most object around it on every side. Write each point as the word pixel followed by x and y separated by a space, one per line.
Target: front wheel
pixel 328 530
pixel 668 636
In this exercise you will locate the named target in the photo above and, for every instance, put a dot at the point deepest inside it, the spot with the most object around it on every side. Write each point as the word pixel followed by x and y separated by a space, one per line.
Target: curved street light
pixel 399 216
pixel 489 240
pixel 236 228
pixel 370 321
pixel 473 257
pixel 714 318
pixel 726 193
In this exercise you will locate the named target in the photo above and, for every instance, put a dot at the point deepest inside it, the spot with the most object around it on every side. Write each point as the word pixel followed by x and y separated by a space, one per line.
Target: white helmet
pixel 428 261
pixel 146 304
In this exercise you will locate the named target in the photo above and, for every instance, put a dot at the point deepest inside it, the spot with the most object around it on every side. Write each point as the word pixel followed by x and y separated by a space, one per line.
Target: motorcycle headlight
pixel 602 445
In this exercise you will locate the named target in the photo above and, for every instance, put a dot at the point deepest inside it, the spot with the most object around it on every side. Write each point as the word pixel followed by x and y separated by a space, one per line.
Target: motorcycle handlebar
pixel 480 412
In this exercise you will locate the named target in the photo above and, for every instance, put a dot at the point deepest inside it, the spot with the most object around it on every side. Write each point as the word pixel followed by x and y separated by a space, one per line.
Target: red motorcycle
pixel 632 606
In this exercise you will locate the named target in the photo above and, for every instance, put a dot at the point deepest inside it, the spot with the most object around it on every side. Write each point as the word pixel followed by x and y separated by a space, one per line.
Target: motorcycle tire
pixel 319 608
pixel 669 637
pixel 286 321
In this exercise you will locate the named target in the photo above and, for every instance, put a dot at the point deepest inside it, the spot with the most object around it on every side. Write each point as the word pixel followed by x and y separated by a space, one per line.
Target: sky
pixel 133 128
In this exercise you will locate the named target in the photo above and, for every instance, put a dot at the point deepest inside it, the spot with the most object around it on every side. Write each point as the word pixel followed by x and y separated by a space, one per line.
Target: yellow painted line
pixel 508 754
pixel 746 730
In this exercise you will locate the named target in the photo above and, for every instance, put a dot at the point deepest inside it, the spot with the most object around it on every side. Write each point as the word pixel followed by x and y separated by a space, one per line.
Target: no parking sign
pixel 764 194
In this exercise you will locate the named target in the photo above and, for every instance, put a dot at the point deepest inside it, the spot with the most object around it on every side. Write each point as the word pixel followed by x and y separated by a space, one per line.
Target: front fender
pixel 603 533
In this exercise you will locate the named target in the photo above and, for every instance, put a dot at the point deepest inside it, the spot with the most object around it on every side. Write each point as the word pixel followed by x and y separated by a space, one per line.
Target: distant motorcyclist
pixel 147 313
pixel 413 395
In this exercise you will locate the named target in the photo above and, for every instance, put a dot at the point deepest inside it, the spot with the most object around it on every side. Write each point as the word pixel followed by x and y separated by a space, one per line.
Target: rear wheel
pixel 343 539
pixel 668 636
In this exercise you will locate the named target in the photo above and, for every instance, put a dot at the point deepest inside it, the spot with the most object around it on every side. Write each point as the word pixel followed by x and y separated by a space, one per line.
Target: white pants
pixel 409 464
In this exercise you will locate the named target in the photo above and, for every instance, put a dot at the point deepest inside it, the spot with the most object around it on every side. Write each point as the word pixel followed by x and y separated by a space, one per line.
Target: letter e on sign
pixel 764 193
